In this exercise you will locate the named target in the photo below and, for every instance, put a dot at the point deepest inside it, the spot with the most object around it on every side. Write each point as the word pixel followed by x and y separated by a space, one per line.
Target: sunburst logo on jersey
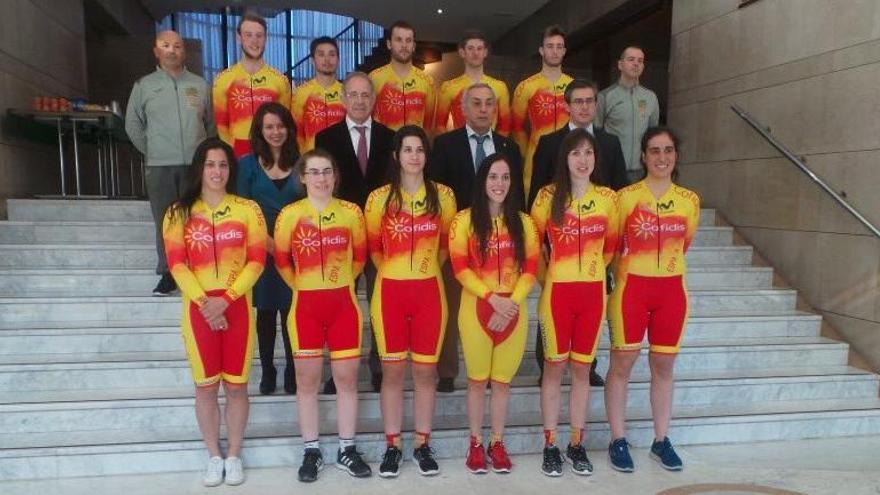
pixel 240 98
pixel 315 112
pixel 569 231
pixel 397 228
pixel 305 240
pixel 392 98
pixel 545 104
pixel 643 226
pixel 197 237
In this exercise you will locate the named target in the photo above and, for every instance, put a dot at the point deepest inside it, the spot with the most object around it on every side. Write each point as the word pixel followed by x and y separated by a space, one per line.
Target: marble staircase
pixel 93 379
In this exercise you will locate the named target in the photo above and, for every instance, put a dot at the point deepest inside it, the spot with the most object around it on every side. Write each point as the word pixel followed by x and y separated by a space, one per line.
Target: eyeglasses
pixel 581 102
pixel 354 95
pixel 313 172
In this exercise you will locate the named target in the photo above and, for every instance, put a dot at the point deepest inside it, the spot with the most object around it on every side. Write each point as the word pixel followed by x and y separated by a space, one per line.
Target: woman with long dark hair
pixel 320 249
pixel 407 229
pixel 579 220
pixel 215 243
pixel 658 220
pixel 266 176
pixel 493 248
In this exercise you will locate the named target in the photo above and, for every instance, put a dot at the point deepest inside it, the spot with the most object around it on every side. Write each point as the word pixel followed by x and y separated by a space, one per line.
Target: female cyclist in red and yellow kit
pixel 494 253
pixel 215 243
pixel 320 248
pixel 407 227
pixel 658 220
pixel 579 220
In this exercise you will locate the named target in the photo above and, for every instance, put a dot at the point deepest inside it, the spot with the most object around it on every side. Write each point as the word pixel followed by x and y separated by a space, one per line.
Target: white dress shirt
pixel 488 144
pixel 355 135
pixel 588 128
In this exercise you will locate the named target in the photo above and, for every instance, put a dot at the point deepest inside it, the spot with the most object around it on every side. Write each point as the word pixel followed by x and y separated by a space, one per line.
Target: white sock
pixel 345 442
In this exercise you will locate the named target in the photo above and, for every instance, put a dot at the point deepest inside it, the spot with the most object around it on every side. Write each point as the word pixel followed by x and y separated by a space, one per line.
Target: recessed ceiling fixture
pixel 439 11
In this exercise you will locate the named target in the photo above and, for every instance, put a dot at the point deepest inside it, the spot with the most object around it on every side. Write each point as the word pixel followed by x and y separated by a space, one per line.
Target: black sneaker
pixel 349 460
pixel 580 464
pixel 313 462
pixel 424 459
pixel 390 466
pixel 663 453
pixel 166 286
pixel 618 454
pixel 552 465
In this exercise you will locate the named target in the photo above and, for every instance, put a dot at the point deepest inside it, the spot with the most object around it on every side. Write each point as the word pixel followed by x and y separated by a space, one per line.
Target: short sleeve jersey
pixel 586 240
pixel 320 249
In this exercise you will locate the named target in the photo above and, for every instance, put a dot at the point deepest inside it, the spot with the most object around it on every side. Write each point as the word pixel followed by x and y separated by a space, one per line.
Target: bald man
pixel 168 115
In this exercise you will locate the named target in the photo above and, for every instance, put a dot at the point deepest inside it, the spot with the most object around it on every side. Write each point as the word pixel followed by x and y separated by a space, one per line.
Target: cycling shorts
pixel 656 305
pixel 409 318
pixel 490 355
pixel 325 317
pixel 571 315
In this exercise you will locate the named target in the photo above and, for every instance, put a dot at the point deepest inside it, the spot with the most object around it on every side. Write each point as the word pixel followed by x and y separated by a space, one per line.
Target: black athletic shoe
pixel 313 462
pixel 390 466
pixel 580 464
pixel 424 459
pixel 268 381
pixel 349 460
pixel 552 465
pixel 596 379
pixel 166 286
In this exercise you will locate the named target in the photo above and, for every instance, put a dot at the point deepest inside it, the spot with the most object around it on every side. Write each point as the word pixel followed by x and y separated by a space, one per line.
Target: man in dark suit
pixel 455 158
pixel 580 101
pixel 361 148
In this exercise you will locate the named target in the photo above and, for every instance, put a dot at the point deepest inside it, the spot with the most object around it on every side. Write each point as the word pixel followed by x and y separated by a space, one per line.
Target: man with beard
pixel 539 101
pixel 404 94
pixel 168 115
pixel 473 50
pixel 241 89
pixel 317 104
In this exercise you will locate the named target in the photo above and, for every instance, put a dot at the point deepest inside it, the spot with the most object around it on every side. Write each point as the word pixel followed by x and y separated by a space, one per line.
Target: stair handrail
pixel 765 133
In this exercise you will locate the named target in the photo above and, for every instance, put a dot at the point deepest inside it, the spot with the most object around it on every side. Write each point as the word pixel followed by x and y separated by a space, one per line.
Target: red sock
pixel 393 440
pixel 549 437
pixel 577 436
pixel 421 439
pixel 475 441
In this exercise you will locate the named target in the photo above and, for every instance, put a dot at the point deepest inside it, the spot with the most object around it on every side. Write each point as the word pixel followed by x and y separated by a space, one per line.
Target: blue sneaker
pixel 663 453
pixel 618 454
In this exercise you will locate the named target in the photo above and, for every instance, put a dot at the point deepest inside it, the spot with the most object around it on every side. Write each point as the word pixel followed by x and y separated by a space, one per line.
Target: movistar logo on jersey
pixel 259 80
pixel 328 218
pixel 409 84
pixel 332 96
pixel 667 206
pixel 559 87
pixel 588 206
pixel 418 205
pixel 221 213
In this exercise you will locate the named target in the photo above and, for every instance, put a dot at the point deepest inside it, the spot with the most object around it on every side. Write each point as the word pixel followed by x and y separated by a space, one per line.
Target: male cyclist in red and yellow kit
pixel 493 248
pixel 215 243
pixel 407 227
pixel 539 100
pixel 579 219
pixel 317 104
pixel 241 89
pixel 473 50
pixel 405 94
pixel 320 249
pixel 658 221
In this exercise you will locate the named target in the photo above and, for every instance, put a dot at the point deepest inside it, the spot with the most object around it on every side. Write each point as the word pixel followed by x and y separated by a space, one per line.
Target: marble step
pixel 140 256
pixel 94 210
pixel 117 232
pixel 23 309
pixel 96 422
pixel 35 372
pixel 165 336
pixel 122 282
pixel 54 210
pixel 277 446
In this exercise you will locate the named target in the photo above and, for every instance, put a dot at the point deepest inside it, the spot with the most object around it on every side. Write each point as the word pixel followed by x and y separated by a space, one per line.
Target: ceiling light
pixel 439 11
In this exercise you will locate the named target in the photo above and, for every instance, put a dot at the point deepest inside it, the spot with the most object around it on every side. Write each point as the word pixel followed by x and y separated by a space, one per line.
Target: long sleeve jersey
pixel 237 96
pixel 320 249
pixel 540 102
pixel 655 233
pixel 314 109
pixel 586 241
pixel 404 101
pixel 410 243
pixel 449 102
pixel 223 248
pixel 500 273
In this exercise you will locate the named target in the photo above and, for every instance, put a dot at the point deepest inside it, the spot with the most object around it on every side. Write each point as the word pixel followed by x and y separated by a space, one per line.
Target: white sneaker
pixel 213 472
pixel 234 471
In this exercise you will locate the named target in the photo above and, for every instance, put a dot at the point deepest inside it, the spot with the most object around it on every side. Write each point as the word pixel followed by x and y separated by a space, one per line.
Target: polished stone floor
pixel 848 466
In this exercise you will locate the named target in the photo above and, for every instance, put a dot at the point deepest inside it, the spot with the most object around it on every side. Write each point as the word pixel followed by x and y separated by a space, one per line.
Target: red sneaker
pixel 498 456
pixel 476 460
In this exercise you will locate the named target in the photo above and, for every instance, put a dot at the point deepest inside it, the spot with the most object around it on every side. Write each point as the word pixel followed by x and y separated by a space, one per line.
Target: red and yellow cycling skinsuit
pixel 320 254
pixel 217 252
pixel 408 246
pixel 314 109
pixel 449 102
pixel 491 355
pixel 541 102
pixel 237 95
pixel 404 101
pixel 649 292
pixel 572 304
